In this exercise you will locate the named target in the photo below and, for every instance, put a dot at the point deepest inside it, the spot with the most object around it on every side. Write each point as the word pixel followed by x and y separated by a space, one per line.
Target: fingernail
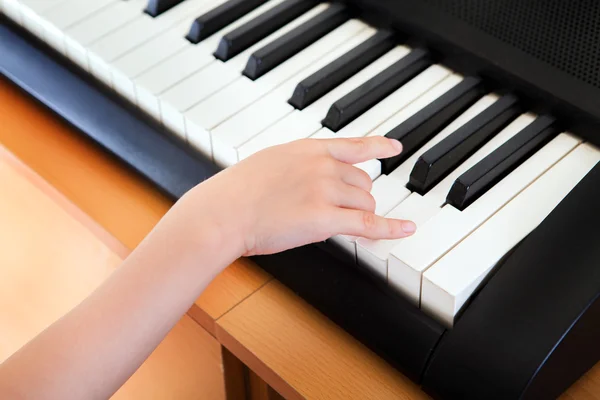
pixel 409 227
pixel 397 145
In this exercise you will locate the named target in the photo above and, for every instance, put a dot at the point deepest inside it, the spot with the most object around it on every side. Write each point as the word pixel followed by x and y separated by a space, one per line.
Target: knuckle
pixel 368 221
pixel 360 145
pixel 391 230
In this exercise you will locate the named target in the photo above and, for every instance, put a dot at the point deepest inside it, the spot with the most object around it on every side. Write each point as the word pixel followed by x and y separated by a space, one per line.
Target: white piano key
pixel 105 21
pixel 76 52
pixel 392 104
pixel 395 102
pixel 229 136
pixel 423 208
pixel 130 36
pixel 387 192
pixel 214 77
pixel 73 11
pixel 293 127
pixel 145 28
pixel 373 254
pixel 451 281
pixel 402 172
pixel 318 110
pixel 413 256
pixel 33 22
pixel 247 123
pixel 242 92
pixel 440 191
pixel 390 190
pixel 169 45
pixel 302 124
pixel 40 6
pixel 148 85
pixel 31 15
pixel 12 9
pixel 178 99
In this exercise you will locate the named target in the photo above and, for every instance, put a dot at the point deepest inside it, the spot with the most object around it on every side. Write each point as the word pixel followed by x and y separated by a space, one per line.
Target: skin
pixel 283 197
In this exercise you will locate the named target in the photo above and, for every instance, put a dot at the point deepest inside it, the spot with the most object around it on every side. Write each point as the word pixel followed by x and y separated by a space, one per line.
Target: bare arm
pixel 281 198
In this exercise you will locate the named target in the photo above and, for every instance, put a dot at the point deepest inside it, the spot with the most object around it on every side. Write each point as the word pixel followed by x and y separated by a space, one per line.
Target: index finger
pixel 358 150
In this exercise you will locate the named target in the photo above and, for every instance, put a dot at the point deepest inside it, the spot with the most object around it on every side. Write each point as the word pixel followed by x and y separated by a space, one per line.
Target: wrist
pixel 213 223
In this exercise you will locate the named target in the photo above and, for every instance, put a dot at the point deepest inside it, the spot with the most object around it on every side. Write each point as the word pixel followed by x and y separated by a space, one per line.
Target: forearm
pixel 94 349
pixel 280 198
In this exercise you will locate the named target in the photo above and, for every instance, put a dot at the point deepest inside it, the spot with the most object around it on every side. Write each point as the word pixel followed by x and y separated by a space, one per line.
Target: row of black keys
pixel 433 165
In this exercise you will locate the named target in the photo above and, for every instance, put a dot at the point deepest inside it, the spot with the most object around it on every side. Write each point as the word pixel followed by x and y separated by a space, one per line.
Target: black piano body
pixel 531 329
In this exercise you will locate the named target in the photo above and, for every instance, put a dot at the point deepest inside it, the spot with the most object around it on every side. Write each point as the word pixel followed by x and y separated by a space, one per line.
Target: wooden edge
pixel 202 318
pixel 235 374
pixel 256 365
pixel 64 203
pixel 260 390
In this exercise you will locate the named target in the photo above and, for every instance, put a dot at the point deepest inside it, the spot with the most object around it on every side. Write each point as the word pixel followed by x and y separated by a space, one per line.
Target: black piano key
pixel 439 161
pixel 157 7
pixel 351 106
pixel 218 18
pixel 332 75
pixel 278 51
pixel 492 169
pixel 260 27
pixel 428 122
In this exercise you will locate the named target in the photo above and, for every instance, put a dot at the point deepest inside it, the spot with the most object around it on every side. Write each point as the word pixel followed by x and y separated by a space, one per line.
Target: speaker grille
pixel 562 33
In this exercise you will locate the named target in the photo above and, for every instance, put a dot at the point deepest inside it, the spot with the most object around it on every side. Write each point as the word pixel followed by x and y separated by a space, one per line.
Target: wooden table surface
pixel 285 341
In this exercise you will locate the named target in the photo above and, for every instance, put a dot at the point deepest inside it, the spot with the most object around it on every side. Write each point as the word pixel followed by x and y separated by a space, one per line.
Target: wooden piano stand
pixel 247 337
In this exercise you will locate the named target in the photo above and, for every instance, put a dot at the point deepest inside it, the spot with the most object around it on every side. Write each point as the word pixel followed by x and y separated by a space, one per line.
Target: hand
pixel 302 192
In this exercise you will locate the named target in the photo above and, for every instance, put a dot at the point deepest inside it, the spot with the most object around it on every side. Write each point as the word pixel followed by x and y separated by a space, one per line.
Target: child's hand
pixel 280 198
pixel 300 193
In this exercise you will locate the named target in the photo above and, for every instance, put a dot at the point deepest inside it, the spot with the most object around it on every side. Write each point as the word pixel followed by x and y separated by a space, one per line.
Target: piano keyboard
pixel 479 170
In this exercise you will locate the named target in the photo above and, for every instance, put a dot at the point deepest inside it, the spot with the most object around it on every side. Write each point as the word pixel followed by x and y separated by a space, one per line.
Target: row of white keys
pixel 70 12
pixel 105 21
pixel 210 113
pixel 144 74
pixel 78 37
pixel 27 13
pixel 215 76
pixel 53 22
pixel 231 134
pixel 390 190
pixel 102 53
pixel 57 20
pixel 451 281
pixel 374 254
pixel 307 122
pixel 414 255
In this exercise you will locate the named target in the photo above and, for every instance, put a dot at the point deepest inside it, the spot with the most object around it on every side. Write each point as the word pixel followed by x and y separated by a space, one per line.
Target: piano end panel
pixel 532 329
pixel 573 356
